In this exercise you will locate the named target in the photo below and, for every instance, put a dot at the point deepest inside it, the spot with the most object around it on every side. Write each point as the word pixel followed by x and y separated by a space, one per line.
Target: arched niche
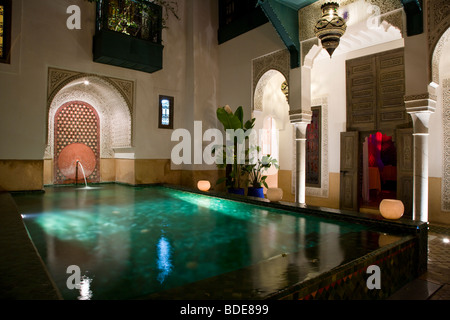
pixel 111 98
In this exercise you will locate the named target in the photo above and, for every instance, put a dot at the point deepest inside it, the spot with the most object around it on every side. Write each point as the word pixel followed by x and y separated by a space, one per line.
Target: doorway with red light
pixel 378 170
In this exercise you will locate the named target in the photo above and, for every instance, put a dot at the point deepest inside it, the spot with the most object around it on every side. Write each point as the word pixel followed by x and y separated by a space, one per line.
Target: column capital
pixel 300 116
pixel 425 102
pixel 420 107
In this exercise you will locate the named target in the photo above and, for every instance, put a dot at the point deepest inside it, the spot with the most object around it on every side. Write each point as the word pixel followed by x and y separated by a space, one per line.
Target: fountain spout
pixel 82 170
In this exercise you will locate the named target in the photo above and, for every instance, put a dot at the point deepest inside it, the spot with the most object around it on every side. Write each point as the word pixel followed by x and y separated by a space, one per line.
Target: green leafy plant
pixel 256 171
pixel 122 15
pixel 233 121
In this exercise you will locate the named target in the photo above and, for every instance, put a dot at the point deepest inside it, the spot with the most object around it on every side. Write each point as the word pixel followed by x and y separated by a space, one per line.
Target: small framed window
pixel 5 30
pixel 166 112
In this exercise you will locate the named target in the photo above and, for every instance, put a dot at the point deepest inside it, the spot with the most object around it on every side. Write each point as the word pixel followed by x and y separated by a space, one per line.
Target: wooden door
pixel 375 92
pixel 405 168
pixel 349 182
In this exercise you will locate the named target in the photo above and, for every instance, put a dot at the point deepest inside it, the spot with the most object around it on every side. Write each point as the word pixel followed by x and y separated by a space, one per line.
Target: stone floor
pixel 435 283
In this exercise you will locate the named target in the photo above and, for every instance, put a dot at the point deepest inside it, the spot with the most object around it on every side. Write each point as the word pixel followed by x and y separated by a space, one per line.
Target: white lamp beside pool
pixel 274 194
pixel 392 209
pixel 204 185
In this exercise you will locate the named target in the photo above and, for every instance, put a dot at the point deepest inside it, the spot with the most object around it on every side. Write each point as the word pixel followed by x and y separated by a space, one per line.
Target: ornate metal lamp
pixel 330 27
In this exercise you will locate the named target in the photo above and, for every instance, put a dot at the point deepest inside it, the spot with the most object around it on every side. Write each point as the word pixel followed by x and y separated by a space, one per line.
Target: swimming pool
pixel 158 242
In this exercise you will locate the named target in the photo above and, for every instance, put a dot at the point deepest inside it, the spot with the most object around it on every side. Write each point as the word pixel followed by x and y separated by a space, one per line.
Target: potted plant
pixel 122 11
pixel 256 176
pixel 235 170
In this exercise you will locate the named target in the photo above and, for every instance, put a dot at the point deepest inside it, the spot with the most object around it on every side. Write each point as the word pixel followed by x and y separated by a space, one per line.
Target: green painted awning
pixel 283 14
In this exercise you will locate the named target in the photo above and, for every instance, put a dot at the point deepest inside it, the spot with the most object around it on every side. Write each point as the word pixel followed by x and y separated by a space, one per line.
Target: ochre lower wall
pixel 21 175
pixel 125 171
pixel 32 175
pixel 285 183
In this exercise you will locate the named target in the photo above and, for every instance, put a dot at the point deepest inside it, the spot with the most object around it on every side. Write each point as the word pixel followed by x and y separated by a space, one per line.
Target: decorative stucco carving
pixel 438 14
pixel 112 98
pixel 309 15
pixel 446 153
pixel 437 54
pixel 279 61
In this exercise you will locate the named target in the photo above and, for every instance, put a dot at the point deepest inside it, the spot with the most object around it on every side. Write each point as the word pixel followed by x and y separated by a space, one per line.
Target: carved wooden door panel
pixel 375 92
pixel 361 94
pixel 391 110
pixel 349 188
pixel 405 168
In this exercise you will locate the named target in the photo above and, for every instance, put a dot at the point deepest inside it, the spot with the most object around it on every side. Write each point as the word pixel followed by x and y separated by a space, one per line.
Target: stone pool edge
pixel 410 253
pixel 23 274
pixel 37 284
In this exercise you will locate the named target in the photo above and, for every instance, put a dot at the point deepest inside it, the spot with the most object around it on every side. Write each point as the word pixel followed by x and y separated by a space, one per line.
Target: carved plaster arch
pixel 262 69
pixel 444 91
pixel 113 105
pixel 438 21
pixel 437 55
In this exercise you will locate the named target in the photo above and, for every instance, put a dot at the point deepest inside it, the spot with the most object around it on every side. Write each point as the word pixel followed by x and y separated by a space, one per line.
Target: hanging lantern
pixel 331 27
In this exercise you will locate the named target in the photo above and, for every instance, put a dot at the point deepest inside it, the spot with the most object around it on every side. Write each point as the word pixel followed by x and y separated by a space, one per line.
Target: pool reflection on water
pixel 132 242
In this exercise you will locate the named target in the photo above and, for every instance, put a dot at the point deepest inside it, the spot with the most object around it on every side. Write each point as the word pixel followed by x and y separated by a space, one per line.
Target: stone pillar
pixel 300 122
pixel 300 116
pixel 420 108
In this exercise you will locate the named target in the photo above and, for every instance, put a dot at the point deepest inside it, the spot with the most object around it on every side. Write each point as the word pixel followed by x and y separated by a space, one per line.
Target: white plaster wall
pixel 235 65
pixel 44 41
pixel 328 80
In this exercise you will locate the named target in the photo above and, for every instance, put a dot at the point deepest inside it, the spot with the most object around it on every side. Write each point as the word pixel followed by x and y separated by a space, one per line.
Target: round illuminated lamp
pixel 204 185
pixel 274 194
pixel 392 209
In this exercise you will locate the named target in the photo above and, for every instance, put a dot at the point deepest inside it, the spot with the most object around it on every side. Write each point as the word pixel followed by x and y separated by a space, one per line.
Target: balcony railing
pixel 128 34
pixel 137 18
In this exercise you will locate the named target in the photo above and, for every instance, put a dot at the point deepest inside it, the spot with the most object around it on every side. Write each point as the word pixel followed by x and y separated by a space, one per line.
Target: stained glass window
pixel 166 112
pixel 165 117
pixel 5 30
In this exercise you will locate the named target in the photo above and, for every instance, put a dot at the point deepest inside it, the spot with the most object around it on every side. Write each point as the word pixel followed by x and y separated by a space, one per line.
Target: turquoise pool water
pixel 130 242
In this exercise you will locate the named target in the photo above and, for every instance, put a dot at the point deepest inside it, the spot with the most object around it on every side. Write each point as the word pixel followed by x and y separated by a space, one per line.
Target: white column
pixel 300 116
pixel 420 111
pixel 300 122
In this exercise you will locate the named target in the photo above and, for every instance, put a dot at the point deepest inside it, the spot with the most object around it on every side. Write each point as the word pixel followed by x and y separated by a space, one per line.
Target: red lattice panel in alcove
pixel 77 133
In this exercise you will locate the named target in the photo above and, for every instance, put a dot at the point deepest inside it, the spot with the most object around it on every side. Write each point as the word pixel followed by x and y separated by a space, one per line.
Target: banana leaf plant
pixel 235 170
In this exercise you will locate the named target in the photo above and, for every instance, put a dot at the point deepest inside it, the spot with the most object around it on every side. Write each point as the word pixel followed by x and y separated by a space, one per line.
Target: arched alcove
pixel 271 111
pixel 106 97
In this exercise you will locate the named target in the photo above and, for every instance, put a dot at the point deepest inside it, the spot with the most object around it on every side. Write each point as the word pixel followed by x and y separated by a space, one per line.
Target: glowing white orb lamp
pixel 274 194
pixel 204 185
pixel 392 209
